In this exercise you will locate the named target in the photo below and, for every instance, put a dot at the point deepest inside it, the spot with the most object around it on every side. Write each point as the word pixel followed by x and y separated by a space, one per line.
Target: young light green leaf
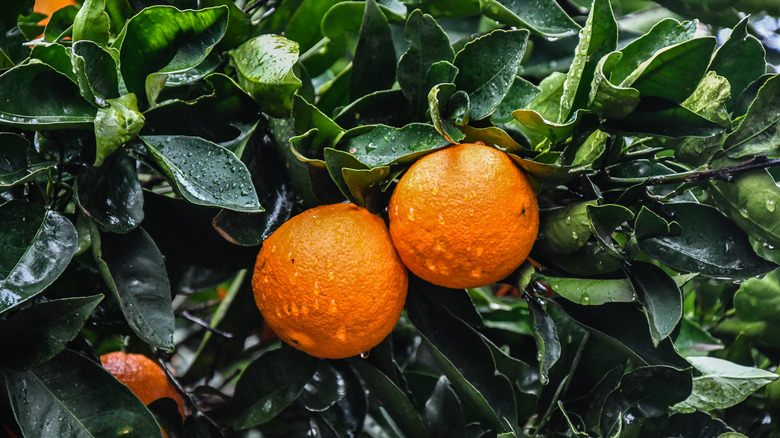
pixel 758 299
pixel 134 270
pixel 487 67
pixel 544 17
pixel 203 172
pixel 75 396
pixel 597 38
pixel 759 132
pixel 92 23
pixel 116 124
pixel 264 66
pixel 593 292
pixel 36 334
pixel 709 99
pixel 564 230
pixel 722 384
pixel 36 245
pixel 438 98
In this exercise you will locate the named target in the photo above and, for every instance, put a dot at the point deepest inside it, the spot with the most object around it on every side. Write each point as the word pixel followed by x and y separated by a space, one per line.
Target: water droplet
pixel 341 333
pixel 410 215
pixel 330 275
pixel 585 299
pixel 568 220
pixel 273 248
pixel 441 220
pixel 333 307
pixel 287 308
pixel 430 265
pixel 770 205
pixel 316 304
pixel 294 278
pixel 305 309
pixel 278 312
pixel 479 251
pixel 316 288
pixel 435 189
pixel 294 309
pixel 475 273
pixel 600 265
pixel 364 355
pixel 574 235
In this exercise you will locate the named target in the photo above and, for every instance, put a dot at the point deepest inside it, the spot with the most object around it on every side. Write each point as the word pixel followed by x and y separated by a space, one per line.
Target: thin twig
pixel 192 318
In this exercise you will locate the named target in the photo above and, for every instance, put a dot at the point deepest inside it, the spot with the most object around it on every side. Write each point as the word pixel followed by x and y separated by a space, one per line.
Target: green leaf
pixel 388 107
pixel 304 25
pixel 326 387
pixel 661 117
pixel 37 333
pixel 565 229
pixel 709 99
pixel 759 132
pixel 346 17
pixel 661 299
pixel 592 292
pixel 19 162
pixel 545 17
pixel 270 384
pixel 203 172
pixel 92 22
pixel 554 132
pixel 56 56
pixel 359 184
pixel 111 194
pixel 604 220
pixel 520 94
pixel 597 38
pixel 438 98
pixel 385 145
pixel 60 24
pixel 722 384
pixel 116 125
pixel 307 116
pixel 161 40
pixel 693 340
pixel 709 244
pixel 134 271
pixel 741 60
pixel 96 71
pixel 758 299
pixel 373 66
pixel 750 201
pixel 35 96
pixel 443 413
pixel 74 396
pixel 392 398
pixel 36 245
pixel 487 67
pixel 428 44
pixel 645 392
pixel 264 66
pixel 591 259
pixel 547 343
pixel 606 99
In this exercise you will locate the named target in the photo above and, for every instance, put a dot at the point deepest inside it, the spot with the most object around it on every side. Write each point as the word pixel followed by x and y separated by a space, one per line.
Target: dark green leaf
pixel 644 393
pixel 487 67
pixel 36 245
pixel 95 70
pixel 554 132
pixel 392 398
pixel 443 414
pixel 597 38
pixel 384 145
pixel 759 133
pixel 386 107
pixel 693 340
pixel 428 44
pixel 71 395
pixel 347 17
pixel 326 388
pixel 161 40
pixel 592 292
pixel 545 17
pixel 203 172
pixel 520 94
pixel 607 100
pixel 373 66
pixel 304 25
pixel 741 60
pixel 722 384
pixel 758 299
pixel 604 220
pixel 239 27
pixel 37 333
pixel 547 343
pixel 270 384
pixel 660 297
pixel 308 116
pixel 60 24
pixel 38 97
pixel 564 230
pixel 111 194
pixel 709 244
pixel 662 117
pixel 116 124
pixel 357 182
pixel 649 224
pixel 92 22
pixel 56 56
pixel 134 271
pixel 265 70
pixel 348 416
pixel 19 163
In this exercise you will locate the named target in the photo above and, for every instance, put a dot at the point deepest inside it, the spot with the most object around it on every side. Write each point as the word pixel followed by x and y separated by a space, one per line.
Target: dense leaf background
pixel 147 147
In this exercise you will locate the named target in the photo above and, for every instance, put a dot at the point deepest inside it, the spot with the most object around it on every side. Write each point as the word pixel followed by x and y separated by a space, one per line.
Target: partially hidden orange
pixel 142 375
pixel 465 216
pixel 329 281
pixel 48 7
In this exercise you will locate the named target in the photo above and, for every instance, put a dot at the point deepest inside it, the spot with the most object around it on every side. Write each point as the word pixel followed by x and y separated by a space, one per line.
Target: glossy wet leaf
pixel 347 17
pixel 383 107
pixel 38 97
pixel 38 333
pixel 96 71
pixel 542 16
pixel 265 70
pixel 373 67
pixel 19 162
pixel 326 388
pixel 708 244
pixel 693 340
pixel 741 60
pixel 709 99
pixel 606 99
pixel 604 220
pixel 520 94
pixel 758 299
pixel 116 124
pixel 385 145
pixel 134 271
pixel 270 383
pixel 304 25
pixel 597 38
pixel 438 98
pixel 443 414
pixel 203 172
pixel 750 201
pixel 722 384
pixel 487 68
pixel 548 344
pixel 760 131
pixel 92 22
pixel 71 395
pixel 36 245
pixel 660 297
pixel 56 57
pixel 161 40
pixel 593 292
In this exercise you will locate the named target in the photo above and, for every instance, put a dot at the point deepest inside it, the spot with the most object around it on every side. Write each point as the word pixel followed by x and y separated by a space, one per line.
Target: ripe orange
pixel 329 281
pixel 142 375
pixel 48 7
pixel 464 216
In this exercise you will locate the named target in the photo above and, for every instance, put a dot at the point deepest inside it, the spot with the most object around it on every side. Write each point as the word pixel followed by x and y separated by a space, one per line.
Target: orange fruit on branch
pixel 142 375
pixel 465 216
pixel 329 281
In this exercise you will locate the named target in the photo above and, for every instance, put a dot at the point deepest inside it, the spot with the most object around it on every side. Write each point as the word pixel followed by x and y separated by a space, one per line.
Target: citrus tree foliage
pixel 147 147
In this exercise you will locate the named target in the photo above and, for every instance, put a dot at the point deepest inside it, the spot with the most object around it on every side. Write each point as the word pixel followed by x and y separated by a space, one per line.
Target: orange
pixel 48 7
pixel 329 282
pixel 142 375
pixel 464 216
